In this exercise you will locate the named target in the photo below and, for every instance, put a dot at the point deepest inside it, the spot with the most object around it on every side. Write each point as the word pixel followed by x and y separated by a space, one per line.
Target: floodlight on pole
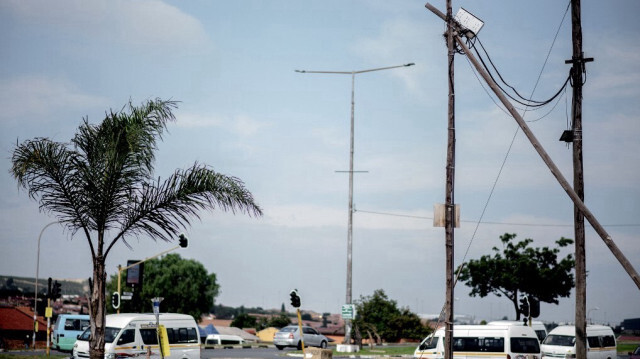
pixel 353 74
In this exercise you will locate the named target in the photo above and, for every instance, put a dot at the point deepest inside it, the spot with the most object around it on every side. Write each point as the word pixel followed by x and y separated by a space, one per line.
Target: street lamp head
pixel 300 71
pixel 409 64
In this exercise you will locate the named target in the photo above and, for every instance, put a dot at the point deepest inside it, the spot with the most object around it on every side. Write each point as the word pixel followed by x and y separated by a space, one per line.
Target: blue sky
pixel 245 111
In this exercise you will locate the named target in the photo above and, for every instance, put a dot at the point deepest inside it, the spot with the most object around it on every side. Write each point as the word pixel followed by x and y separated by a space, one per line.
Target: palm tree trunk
pixel 97 309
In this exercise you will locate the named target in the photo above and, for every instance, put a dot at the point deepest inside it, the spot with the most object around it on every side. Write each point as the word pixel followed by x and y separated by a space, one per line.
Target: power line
pixel 491 222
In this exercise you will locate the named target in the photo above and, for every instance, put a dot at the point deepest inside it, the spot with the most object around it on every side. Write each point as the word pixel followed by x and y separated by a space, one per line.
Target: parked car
pixel 289 336
pixel 635 354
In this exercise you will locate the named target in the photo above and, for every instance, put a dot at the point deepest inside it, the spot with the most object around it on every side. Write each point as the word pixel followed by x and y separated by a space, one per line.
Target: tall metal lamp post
pixel 353 74
pixel 35 301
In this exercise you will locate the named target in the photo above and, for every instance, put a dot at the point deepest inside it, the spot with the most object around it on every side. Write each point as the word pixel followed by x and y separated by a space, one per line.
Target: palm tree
pixel 101 184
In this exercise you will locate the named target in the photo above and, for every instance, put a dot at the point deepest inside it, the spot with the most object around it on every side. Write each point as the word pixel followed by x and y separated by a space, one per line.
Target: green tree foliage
pixel 244 320
pixel 379 315
pixel 279 321
pixel 520 269
pixel 184 284
pixel 102 186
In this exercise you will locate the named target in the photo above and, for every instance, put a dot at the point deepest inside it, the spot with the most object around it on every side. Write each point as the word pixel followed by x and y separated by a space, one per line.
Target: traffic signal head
pixel 534 306
pixel 115 300
pixel 524 306
pixel 295 299
pixel 183 241
pixel 56 291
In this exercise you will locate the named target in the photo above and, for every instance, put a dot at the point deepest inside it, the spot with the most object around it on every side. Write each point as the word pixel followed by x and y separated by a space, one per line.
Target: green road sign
pixel 348 311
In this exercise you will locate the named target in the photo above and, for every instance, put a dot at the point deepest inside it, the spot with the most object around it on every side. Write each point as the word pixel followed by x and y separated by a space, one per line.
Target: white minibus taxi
pixel 222 340
pixel 540 329
pixel 130 335
pixel 561 343
pixel 483 341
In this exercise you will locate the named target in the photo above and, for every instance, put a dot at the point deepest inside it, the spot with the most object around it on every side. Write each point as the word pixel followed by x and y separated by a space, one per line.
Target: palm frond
pixel 48 170
pixel 161 210
pixel 119 154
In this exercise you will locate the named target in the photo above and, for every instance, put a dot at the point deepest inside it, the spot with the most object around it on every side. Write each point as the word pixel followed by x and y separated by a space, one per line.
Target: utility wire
pixel 510 146
pixel 491 222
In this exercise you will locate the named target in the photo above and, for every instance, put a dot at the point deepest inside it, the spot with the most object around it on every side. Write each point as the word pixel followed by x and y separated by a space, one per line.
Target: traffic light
pixel 524 306
pixel 183 241
pixel 49 288
pixel 115 300
pixel 534 307
pixel 295 298
pixel 55 290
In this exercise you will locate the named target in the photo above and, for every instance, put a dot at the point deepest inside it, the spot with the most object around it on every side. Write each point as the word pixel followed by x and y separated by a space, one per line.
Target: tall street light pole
pixel 349 298
pixel 35 301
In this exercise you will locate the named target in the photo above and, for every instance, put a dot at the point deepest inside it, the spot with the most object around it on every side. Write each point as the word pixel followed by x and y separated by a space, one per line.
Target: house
pixel 16 328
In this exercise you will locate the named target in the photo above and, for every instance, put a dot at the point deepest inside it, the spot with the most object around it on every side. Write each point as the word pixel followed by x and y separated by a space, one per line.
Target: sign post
pixel 156 311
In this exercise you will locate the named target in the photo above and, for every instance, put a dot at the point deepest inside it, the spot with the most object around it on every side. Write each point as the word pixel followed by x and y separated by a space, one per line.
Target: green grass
pixel 388 350
pixel 21 355
pixel 626 347
pixel 395 350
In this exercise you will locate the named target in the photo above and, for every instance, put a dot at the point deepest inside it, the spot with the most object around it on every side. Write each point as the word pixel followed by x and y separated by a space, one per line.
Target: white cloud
pixel 145 24
pixel 415 41
pixel 241 125
pixel 40 96
pixel 615 72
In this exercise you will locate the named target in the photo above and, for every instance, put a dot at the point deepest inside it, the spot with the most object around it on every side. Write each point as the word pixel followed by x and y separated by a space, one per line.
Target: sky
pixel 245 112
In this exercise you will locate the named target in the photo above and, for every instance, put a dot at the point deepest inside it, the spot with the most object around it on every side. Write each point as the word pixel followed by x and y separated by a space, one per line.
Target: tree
pixel 279 321
pixel 244 320
pixel 520 269
pixel 102 185
pixel 184 284
pixel 380 316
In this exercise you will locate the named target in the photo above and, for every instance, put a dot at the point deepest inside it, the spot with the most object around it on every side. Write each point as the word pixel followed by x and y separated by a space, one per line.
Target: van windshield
pixel 525 345
pixel 561 340
pixel 109 334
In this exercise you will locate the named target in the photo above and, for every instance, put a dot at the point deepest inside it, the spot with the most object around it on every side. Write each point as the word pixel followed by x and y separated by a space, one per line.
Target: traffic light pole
pixel 183 244
pixel 48 327
pixel 301 333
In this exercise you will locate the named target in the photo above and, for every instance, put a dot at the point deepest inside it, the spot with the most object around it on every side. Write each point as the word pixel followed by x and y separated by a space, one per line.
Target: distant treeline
pixel 13 286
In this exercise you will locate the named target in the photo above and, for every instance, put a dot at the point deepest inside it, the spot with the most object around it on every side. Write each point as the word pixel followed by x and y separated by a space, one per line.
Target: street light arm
pixel 354 72
pixel 120 268
pixel 384 68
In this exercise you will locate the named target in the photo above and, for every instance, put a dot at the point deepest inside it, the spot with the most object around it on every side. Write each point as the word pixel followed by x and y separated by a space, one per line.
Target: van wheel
pixel 280 347
pixel 299 346
pixel 323 345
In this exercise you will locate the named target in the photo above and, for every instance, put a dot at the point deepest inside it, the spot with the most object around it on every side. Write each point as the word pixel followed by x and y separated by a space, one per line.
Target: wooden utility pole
pixel 577 71
pixel 449 195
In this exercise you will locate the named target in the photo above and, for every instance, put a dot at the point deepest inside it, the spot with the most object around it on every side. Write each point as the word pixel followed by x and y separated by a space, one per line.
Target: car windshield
pixel 288 329
pixel 561 340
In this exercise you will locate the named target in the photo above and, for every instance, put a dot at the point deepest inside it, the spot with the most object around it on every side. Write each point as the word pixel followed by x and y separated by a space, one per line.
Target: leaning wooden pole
pixel 553 168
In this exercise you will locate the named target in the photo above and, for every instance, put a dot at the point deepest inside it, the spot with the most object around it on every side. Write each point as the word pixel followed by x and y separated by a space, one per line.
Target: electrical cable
pixel 510 147
pixel 491 222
